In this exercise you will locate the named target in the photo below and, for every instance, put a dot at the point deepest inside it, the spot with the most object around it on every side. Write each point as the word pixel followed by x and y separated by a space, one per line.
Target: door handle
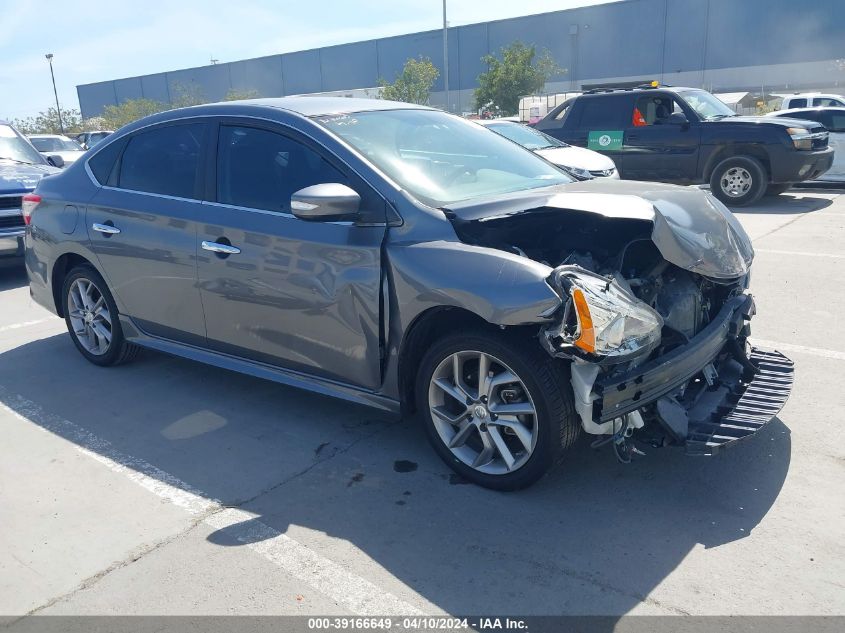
pixel 216 247
pixel 106 229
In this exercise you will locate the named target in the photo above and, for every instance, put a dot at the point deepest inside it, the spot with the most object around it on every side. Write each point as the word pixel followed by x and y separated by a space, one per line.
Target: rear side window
pixel 798 103
pixel 102 163
pixel 604 113
pixel 260 169
pixel 164 161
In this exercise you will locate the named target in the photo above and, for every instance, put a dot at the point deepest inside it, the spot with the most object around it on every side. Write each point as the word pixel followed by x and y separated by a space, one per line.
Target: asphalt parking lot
pixel 168 487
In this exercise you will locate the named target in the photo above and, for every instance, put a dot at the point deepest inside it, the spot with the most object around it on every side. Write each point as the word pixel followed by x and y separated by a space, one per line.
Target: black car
pixel 686 135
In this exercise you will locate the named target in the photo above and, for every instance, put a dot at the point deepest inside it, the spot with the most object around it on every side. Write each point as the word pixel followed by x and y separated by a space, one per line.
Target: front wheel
pixel 92 318
pixel 738 181
pixel 497 413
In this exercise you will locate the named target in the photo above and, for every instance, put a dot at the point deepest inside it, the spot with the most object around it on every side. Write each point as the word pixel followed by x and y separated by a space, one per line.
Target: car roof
pixel 46 136
pixel 319 106
pixel 811 109
pixel 492 121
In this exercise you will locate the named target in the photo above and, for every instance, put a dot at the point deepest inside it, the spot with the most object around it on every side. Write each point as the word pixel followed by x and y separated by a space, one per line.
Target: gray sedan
pixel 403 258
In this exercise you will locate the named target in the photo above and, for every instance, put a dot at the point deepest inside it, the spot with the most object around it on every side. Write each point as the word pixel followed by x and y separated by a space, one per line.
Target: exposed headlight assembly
pixel 802 138
pixel 602 320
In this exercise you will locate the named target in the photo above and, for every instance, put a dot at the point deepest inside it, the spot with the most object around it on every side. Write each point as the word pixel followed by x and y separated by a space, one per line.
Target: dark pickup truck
pixel 686 135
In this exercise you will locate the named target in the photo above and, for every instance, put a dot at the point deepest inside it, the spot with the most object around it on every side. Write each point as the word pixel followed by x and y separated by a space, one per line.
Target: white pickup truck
pixel 811 100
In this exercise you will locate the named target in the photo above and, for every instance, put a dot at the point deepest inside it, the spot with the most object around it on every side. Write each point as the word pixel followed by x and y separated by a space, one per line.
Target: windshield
pixel 440 158
pixel 526 136
pixel 55 144
pixel 15 148
pixel 706 105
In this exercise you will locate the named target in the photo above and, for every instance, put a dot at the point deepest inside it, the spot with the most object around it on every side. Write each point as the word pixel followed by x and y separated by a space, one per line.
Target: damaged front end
pixel 654 312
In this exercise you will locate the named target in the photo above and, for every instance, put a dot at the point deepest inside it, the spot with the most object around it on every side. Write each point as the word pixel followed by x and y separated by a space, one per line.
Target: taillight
pixel 30 201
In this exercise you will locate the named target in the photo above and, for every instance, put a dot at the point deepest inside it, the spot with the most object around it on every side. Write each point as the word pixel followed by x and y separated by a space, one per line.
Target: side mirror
pixel 55 160
pixel 327 201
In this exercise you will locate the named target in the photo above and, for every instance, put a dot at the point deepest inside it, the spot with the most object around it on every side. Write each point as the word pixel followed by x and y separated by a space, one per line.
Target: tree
pixel 116 116
pixel 239 95
pixel 515 75
pixel 47 122
pixel 413 84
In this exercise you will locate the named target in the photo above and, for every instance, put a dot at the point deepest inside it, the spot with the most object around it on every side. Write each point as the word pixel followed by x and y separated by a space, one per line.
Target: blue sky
pixel 95 40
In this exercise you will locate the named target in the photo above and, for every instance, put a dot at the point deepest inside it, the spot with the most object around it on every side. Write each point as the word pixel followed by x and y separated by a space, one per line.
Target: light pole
pixel 49 57
pixel 446 58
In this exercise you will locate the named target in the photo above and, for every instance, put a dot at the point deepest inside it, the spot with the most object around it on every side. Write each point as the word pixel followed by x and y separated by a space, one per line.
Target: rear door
pixel 658 144
pixel 600 122
pixel 142 228
pixel 301 295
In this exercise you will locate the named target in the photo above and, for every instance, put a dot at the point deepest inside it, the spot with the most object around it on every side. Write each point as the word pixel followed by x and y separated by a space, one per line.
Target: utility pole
pixel 446 58
pixel 49 57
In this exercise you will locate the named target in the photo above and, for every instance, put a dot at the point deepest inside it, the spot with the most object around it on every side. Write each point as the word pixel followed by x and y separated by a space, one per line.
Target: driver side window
pixel 260 169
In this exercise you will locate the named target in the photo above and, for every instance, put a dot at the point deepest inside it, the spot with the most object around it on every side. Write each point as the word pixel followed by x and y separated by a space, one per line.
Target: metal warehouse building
pixel 720 45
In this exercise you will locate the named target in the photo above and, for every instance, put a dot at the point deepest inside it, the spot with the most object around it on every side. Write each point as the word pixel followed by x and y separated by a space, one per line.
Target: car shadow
pixel 790 203
pixel 594 538
pixel 12 274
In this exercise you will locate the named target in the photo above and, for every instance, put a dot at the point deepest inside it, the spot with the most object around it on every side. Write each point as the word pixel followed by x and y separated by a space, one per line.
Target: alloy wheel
pixel 89 316
pixel 483 412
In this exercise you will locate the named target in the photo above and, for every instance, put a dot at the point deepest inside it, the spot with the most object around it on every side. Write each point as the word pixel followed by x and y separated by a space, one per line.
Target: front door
pixel 143 231
pixel 660 143
pixel 292 293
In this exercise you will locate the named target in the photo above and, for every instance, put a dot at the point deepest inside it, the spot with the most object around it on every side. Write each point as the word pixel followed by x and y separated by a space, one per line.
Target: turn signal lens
pixel 28 204
pixel 586 336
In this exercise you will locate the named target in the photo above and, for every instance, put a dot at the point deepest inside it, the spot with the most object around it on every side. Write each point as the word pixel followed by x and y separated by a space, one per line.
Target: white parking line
pixel 17 326
pixel 329 578
pixel 799 253
pixel 801 349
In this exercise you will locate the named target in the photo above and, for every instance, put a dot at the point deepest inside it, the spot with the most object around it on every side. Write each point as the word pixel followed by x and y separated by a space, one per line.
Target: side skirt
pixel 260 370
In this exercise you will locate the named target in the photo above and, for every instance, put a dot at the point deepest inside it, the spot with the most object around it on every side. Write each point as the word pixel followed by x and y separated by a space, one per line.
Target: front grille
pixel 11 222
pixel 10 202
pixel 821 142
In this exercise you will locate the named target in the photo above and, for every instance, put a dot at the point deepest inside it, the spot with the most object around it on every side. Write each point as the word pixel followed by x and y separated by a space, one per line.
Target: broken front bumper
pixel 706 393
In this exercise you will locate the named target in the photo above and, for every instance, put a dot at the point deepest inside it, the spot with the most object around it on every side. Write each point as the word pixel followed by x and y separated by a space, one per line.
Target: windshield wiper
pixel 15 160
pixel 717 117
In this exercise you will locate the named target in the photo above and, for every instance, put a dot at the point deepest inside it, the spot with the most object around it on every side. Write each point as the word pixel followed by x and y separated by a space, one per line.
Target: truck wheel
pixel 498 413
pixel 738 181
pixel 776 190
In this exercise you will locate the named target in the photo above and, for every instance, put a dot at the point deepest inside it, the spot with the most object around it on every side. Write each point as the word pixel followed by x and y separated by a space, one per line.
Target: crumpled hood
pixel 15 178
pixel 692 229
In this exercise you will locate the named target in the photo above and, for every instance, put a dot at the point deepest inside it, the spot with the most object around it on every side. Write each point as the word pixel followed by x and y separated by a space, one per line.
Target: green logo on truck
pixel 605 140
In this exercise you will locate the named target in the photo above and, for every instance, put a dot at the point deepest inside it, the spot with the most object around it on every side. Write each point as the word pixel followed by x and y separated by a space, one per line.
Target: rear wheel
pixel 738 181
pixel 92 318
pixel 496 413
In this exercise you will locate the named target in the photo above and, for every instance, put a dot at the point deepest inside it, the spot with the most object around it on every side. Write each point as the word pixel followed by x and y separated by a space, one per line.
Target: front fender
pixel 502 288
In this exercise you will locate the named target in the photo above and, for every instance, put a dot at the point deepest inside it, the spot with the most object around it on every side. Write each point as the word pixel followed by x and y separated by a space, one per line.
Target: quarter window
pixel 260 169
pixel 164 160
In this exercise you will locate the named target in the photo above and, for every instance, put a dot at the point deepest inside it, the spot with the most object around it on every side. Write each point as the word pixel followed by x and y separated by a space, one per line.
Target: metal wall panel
pixel 301 72
pixel 263 75
pixel 682 41
pixel 154 87
pixel 207 82
pixel 349 66
pixel 126 89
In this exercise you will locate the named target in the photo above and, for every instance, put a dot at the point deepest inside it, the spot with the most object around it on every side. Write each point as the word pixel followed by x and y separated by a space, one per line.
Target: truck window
pixel 826 101
pixel 605 113
pixel 654 110
pixel 798 103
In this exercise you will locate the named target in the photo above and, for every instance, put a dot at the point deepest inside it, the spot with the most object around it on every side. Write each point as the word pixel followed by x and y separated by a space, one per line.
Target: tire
pixel 92 321
pixel 776 190
pixel 738 181
pixel 535 443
